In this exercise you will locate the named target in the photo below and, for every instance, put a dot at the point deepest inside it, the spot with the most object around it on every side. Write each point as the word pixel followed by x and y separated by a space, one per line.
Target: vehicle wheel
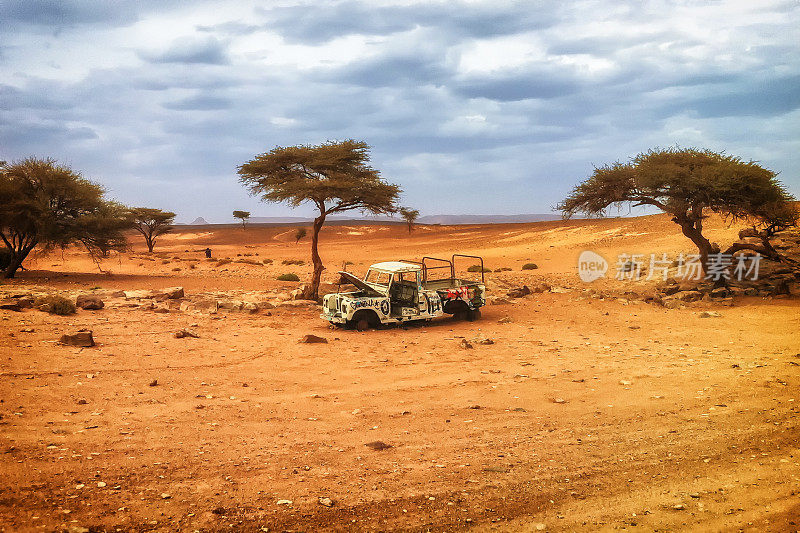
pixel 473 315
pixel 362 324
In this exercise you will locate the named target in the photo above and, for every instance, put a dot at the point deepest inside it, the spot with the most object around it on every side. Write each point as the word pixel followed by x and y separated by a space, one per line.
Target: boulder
pixel 541 287
pixel 10 305
pixel 719 292
pixel 496 300
pixel 82 338
pixel 173 293
pixel 89 302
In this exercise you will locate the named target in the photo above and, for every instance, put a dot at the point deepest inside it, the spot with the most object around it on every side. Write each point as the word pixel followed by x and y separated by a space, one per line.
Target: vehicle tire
pixel 473 315
pixel 362 324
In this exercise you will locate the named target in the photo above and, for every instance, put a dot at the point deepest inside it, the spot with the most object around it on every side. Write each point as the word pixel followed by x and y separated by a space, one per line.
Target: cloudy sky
pixel 472 107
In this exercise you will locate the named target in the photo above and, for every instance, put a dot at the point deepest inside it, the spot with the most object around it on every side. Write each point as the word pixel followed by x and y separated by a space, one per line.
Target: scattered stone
pixel 483 341
pixel 540 526
pixel 172 293
pixel 689 296
pixel 313 339
pixel 284 502
pixel 679 507
pixel 709 314
pixel 89 302
pixel 624 382
pixel 505 320
pixel 558 400
pixel 519 292
pixel 496 300
pixel 498 469
pixel 180 334
pixel 474 407
pixel 165 496
pixel 10 305
pixel 81 402
pixel 101 484
pixel 82 338
pixel 464 344
pixel 153 383
pixel 326 502
pixel 378 445
pixel 540 288
pixel 720 292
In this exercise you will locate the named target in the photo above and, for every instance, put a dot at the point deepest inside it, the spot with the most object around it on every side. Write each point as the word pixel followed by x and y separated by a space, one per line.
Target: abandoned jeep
pixel 396 292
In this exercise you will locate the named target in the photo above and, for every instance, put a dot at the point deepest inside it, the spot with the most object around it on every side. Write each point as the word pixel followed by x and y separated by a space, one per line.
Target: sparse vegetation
pixel 288 277
pixel 222 262
pixel 334 176
pixel 55 305
pixel 687 184
pixel 267 261
pixel 293 262
pixel 477 268
pixel 410 216
pixel 151 223
pixel 47 205
pixel 244 216
pixel 503 269
pixel 299 234
pixel 529 266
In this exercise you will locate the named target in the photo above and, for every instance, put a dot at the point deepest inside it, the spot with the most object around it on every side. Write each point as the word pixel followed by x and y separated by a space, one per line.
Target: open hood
pixel 347 277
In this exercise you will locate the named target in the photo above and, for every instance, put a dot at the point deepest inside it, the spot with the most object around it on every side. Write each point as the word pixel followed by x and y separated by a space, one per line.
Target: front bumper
pixel 334 318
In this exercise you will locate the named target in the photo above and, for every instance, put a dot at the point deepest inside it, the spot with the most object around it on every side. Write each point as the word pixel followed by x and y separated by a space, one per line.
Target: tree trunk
pixel 695 234
pixel 17 257
pixel 312 290
pixel 150 243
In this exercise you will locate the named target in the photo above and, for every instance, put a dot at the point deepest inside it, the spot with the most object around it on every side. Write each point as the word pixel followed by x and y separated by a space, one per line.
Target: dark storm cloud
pixel 519 85
pixel 199 103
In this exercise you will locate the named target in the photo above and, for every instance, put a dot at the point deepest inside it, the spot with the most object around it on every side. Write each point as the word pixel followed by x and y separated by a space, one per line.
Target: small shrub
pixel 530 266
pixel 503 269
pixel 348 263
pixel 267 261
pixel 222 262
pixel 55 305
pixel 477 268
pixel 165 262
pixel 288 277
pixel 293 262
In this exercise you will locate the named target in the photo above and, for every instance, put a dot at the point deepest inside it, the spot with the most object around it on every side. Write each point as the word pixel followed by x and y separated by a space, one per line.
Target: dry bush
pixel 55 305
pixel 288 277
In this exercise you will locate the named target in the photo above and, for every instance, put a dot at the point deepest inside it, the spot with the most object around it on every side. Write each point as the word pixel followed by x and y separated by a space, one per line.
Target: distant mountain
pixel 486 219
pixel 199 221
pixel 279 220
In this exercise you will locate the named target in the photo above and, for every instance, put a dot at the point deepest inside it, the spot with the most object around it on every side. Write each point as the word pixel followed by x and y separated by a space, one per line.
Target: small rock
pixel 284 502
pixel 81 402
pixel 82 338
pixel 505 320
pixel 180 334
pixel 709 314
pixel 558 400
pixel 101 484
pixel 624 382
pixel 540 526
pixel 90 302
pixel 484 341
pixel 679 507
pixel 313 339
pixel 378 445
pixel 153 383
pixel 173 293
pixel 327 502
pixel 519 292
pixel 165 496
pixel 464 344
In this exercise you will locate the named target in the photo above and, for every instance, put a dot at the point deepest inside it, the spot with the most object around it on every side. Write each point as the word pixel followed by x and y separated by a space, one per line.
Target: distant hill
pixel 199 221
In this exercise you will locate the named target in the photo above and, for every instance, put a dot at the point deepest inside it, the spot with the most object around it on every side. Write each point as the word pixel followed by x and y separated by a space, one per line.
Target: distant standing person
pixel 208 253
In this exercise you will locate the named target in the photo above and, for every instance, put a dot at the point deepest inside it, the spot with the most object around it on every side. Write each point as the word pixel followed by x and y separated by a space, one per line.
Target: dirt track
pixel 584 413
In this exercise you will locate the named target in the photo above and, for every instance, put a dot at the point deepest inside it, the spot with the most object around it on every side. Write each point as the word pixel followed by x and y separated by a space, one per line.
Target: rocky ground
pixel 217 401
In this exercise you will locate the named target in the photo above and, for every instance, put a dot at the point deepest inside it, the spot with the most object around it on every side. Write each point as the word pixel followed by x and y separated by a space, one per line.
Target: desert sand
pixel 590 410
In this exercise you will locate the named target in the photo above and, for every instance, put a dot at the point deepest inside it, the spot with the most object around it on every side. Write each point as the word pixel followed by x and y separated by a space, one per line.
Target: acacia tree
pixel 243 216
pixel 410 216
pixel 299 234
pixel 151 223
pixel 688 184
pixel 45 204
pixel 334 176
